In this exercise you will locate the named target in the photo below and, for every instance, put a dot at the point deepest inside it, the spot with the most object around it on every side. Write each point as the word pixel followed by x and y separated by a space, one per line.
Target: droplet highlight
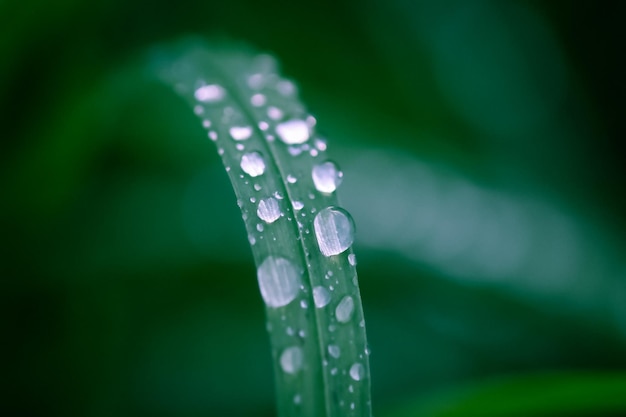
pixel 344 310
pixel 357 371
pixel 279 281
pixel 210 93
pixel 334 351
pixel 240 132
pixel 321 296
pixel 293 132
pixel 253 164
pixel 292 359
pixel 334 230
pixel 327 177
pixel 268 210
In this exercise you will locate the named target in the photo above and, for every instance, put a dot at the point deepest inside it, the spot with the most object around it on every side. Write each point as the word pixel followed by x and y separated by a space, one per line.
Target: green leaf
pixel 300 238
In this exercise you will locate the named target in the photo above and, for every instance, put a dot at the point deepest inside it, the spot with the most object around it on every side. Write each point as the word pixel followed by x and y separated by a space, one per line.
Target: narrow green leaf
pixel 300 238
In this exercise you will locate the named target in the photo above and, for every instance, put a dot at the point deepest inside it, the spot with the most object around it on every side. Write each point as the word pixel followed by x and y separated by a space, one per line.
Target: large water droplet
pixel 334 230
pixel 344 309
pixel 210 93
pixel 240 132
pixel 327 176
pixel 253 164
pixel 279 281
pixel 357 371
pixel 334 351
pixel 268 210
pixel 293 132
pixel 321 296
pixel 291 359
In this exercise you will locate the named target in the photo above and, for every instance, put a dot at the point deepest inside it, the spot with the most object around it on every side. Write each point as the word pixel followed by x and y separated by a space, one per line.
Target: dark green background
pixel 128 288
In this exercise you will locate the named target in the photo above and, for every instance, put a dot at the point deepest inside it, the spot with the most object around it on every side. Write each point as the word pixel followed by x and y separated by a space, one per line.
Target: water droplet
pixel 321 296
pixel 259 227
pixel 258 100
pixel 257 187
pixel 274 113
pixel 344 309
pixel 210 93
pixel 268 210
pixel 327 177
pixel 297 399
pixel 286 87
pixel 279 281
pixel 255 81
pixel 352 259
pixel 252 240
pixel 334 230
pixel 298 205
pixel 334 351
pixel 253 164
pixel 357 371
pixel 352 406
pixel 278 195
pixel 198 110
pixel 206 123
pixel 293 132
pixel 213 135
pixel 291 359
pixel 240 132
pixel 291 179
pixel 302 333
pixel 304 304
pixel 240 147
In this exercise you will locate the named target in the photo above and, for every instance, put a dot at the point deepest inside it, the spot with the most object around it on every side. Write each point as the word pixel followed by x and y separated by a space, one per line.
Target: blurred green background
pixel 482 148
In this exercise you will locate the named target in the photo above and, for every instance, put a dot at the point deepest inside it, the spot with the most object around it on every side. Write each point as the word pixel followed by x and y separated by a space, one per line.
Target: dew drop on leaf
pixel 293 132
pixel 334 230
pixel 357 371
pixel 211 93
pixel 298 205
pixel 352 259
pixel 240 132
pixel 279 281
pixel 321 296
pixel 344 309
pixel 268 210
pixel 327 177
pixel 253 164
pixel 334 351
pixel 291 359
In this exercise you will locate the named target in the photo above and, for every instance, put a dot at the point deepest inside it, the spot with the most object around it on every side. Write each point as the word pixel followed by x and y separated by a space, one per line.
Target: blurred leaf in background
pixel 482 146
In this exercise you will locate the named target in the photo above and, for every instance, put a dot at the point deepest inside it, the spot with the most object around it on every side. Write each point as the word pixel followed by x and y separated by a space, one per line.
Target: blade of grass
pixel 300 239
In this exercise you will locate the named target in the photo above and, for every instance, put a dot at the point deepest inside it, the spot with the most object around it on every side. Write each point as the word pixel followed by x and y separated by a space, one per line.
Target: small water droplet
pixel 257 187
pixel 291 359
pixel 290 331
pixel 291 179
pixel 321 296
pixel 293 132
pixel 240 132
pixel 274 113
pixel 334 351
pixel 240 147
pixel 334 230
pixel 198 110
pixel 351 388
pixel 327 177
pixel 279 281
pixel 303 304
pixel 286 87
pixel 298 205
pixel 302 333
pixel 344 309
pixel 252 240
pixel 263 125
pixel 313 152
pixel 213 135
pixel 357 371
pixel 253 164
pixel 297 399
pixel 259 227
pixel 278 195
pixel 255 81
pixel 352 406
pixel 206 123
pixel 268 210
pixel 210 93
pixel 352 259
pixel 258 100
